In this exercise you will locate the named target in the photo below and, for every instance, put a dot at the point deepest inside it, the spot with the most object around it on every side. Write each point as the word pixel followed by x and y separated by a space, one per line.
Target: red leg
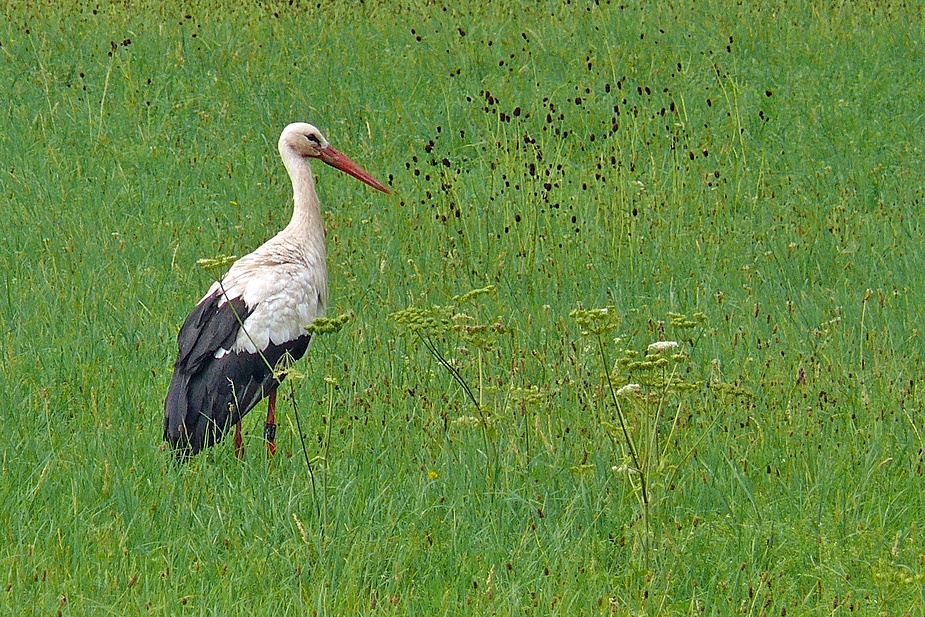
pixel 269 429
pixel 238 441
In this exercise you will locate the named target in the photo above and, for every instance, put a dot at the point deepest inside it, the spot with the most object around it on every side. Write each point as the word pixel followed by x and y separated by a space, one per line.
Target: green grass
pixel 761 165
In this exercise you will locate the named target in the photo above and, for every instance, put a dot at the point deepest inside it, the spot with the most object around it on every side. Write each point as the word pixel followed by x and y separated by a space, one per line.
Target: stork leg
pixel 269 429
pixel 238 441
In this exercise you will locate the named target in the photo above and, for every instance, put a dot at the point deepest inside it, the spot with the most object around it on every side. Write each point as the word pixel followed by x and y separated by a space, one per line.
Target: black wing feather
pixel 207 394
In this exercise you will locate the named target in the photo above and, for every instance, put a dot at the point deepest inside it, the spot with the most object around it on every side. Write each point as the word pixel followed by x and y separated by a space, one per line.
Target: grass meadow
pixel 744 179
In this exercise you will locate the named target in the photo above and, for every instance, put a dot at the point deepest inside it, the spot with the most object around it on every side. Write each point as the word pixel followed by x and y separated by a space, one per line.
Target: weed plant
pixel 757 167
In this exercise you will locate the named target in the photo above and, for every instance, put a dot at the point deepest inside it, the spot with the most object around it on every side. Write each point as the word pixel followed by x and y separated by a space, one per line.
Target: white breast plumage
pixel 284 298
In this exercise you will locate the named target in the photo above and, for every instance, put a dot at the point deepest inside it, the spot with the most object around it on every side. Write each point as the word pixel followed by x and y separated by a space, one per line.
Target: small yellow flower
pixel 433 475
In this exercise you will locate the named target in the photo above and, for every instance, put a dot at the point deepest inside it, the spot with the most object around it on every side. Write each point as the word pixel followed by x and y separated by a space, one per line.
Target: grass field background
pixel 756 169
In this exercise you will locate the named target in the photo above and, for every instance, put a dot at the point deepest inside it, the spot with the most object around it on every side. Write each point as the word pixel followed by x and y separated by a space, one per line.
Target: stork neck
pixel 306 225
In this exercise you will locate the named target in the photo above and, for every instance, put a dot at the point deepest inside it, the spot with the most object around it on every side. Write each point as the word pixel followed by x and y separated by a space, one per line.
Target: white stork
pixel 256 315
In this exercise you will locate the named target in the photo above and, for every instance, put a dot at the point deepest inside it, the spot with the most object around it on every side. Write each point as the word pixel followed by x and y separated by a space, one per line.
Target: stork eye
pixel 313 138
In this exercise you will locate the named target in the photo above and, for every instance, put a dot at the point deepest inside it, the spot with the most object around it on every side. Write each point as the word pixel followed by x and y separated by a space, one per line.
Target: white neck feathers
pixel 306 229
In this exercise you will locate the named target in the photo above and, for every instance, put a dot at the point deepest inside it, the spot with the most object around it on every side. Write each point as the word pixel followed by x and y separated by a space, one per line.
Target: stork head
pixel 304 140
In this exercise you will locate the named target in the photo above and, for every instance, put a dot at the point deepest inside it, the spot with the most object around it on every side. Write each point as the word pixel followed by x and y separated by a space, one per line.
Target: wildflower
pixel 473 294
pixel 433 475
pixel 630 389
pixel 624 469
pixel 660 347
pixel 217 262
pixel 324 325
pixel 597 322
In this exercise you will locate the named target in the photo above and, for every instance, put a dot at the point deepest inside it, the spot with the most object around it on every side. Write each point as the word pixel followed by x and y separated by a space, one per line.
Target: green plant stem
pixel 643 484
pixel 432 348
pixel 327 448
pixel 308 463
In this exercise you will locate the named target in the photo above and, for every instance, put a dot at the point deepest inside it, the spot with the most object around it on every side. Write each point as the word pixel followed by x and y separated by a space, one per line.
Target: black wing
pixel 207 394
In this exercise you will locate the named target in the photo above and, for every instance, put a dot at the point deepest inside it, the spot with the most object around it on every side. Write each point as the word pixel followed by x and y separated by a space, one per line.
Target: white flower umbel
pixel 630 389
pixel 624 469
pixel 661 347
pixel 467 421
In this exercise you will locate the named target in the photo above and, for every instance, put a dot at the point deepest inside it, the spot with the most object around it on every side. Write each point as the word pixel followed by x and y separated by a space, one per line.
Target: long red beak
pixel 342 162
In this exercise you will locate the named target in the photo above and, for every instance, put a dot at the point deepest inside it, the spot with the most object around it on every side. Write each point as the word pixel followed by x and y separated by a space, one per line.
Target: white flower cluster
pixel 629 389
pixel 660 347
